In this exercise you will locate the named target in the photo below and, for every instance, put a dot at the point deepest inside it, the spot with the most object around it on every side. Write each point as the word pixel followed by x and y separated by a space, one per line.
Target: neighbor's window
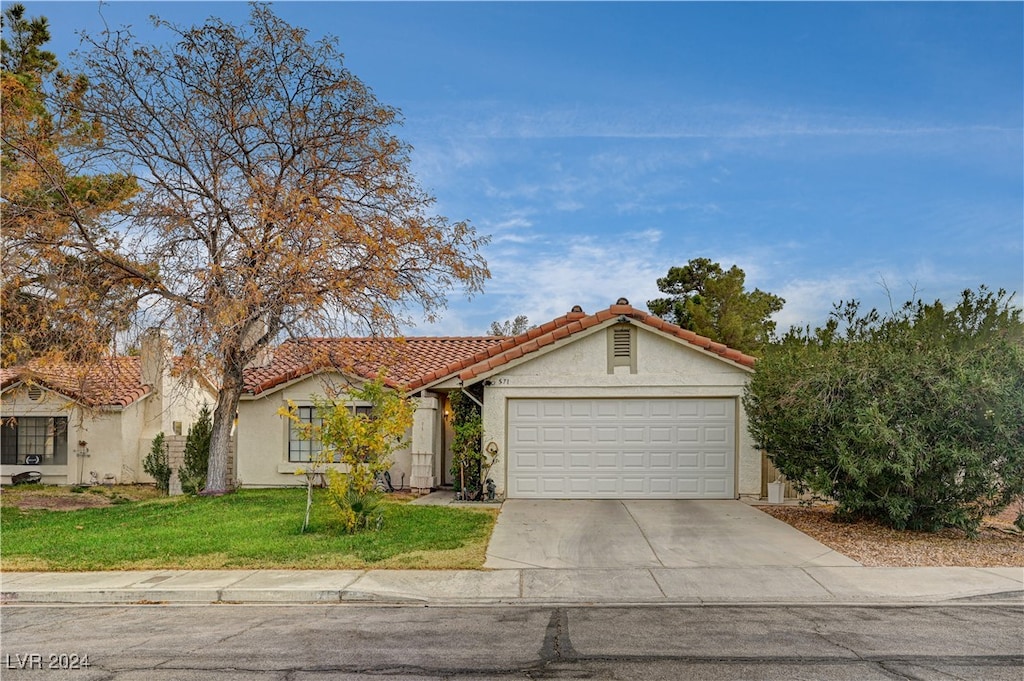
pixel 42 436
pixel 303 451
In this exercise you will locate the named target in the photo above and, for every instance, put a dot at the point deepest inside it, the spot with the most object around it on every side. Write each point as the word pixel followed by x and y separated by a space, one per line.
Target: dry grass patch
pixel 876 545
pixel 59 498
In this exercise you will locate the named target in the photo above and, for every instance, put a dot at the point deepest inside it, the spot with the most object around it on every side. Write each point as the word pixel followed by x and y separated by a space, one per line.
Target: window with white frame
pixel 34 440
pixel 305 449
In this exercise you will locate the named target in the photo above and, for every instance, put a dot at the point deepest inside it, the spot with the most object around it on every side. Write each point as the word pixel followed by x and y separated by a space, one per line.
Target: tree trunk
pixel 217 482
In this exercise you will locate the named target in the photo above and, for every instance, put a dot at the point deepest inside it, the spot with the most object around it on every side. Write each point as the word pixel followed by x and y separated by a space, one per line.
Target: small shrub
pixel 158 465
pixel 362 442
pixel 196 463
pixel 358 508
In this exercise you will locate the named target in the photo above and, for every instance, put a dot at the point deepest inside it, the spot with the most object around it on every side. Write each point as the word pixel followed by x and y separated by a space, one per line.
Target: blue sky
pixel 829 150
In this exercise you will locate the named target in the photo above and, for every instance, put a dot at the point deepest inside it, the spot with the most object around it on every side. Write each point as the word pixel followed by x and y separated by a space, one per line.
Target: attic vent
pixel 622 347
pixel 35 393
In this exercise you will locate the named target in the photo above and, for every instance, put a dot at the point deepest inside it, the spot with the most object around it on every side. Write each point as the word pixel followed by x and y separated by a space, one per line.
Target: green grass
pixel 247 529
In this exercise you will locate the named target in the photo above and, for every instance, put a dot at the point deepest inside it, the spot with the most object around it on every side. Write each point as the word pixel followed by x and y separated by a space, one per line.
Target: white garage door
pixel 621 449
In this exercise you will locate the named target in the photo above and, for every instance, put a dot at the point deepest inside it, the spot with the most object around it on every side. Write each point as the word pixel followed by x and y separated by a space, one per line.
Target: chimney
pixel 255 331
pixel 153 357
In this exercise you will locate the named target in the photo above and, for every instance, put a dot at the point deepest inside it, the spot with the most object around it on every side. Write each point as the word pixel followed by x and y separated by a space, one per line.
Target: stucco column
pixel 421 477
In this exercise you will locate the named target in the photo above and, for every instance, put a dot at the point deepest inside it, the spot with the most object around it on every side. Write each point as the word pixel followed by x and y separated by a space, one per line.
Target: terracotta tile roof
pixel 573 323
pixel 412 363
pixel 113 382
pixel 405 360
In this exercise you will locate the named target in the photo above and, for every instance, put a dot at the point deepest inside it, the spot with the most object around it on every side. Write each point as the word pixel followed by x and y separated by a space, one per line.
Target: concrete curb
pixel 663 586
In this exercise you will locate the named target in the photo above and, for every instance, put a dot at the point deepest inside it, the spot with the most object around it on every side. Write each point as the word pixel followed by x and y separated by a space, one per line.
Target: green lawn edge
pixel 248 529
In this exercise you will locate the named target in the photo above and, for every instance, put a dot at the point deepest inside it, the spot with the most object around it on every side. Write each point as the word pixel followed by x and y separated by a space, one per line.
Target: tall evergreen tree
pixel 713 302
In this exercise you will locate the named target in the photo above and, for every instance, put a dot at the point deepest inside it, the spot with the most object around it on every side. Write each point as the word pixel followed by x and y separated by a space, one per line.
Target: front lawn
pixel 247 529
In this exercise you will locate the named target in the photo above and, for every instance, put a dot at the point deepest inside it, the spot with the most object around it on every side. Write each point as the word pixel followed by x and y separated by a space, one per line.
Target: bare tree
pixel 273 197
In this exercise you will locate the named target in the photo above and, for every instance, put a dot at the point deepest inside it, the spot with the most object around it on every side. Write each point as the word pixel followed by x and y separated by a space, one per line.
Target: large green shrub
pixel 196 461
pixel 915 418
pixel 157 463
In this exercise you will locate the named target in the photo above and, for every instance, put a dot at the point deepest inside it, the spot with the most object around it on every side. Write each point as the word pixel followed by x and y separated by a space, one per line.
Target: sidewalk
pixel 836 583
pixel 681 586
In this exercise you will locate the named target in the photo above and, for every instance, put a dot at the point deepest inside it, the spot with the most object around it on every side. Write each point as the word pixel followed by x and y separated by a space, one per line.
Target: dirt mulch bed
pixel 874 545
pixel 53 498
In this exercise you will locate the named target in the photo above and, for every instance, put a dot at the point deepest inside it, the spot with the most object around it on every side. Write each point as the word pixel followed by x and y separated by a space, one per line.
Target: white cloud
pixel 546 282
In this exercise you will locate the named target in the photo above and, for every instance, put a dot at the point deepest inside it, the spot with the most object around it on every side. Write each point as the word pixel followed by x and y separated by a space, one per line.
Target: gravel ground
pixel 874 545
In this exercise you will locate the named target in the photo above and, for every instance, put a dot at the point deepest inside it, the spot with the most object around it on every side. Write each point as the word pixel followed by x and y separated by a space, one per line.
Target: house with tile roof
pixel 615 404
pixel 67 420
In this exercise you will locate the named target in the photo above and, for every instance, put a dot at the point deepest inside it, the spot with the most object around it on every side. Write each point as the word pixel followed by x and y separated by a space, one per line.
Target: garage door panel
pixel 581 461
pixel 633 461
pixel 550 435
pixel 580 409
pixel 662 409
pixel 525 486
pixel 634 408
pixel 525 461
pixel 715 434
pixel 662 486
pixel 629 448
pixel 660 460
pixel 635 485
pixel 578 434
pixel 634 434
pixel 714 408
pixel 715 485
pixel 660 434
pixel 579 485
pixel 524 435
pixel 524 408
pixel 553 408
pixel 688 434
pixel 688 486
pixel 689 408
pixel 715 461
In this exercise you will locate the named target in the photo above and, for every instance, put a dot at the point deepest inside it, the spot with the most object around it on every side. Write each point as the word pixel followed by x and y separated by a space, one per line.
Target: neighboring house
pixel 616 404
pixel 68 420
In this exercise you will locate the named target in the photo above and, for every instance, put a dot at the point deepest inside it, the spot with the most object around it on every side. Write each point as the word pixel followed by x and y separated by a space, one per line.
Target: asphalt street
pixel 297 642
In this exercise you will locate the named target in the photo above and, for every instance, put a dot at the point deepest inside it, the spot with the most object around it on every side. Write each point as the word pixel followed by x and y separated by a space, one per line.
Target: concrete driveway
pixel 648 534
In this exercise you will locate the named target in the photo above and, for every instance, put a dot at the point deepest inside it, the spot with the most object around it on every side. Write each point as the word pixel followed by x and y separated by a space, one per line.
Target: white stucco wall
pixel 100 430
pixel 665 368
pixel 116 439
pixel 262 435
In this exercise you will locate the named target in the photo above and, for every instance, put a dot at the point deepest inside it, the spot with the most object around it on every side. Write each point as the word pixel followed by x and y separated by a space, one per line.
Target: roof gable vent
pixel 35 393
pixel 622 347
